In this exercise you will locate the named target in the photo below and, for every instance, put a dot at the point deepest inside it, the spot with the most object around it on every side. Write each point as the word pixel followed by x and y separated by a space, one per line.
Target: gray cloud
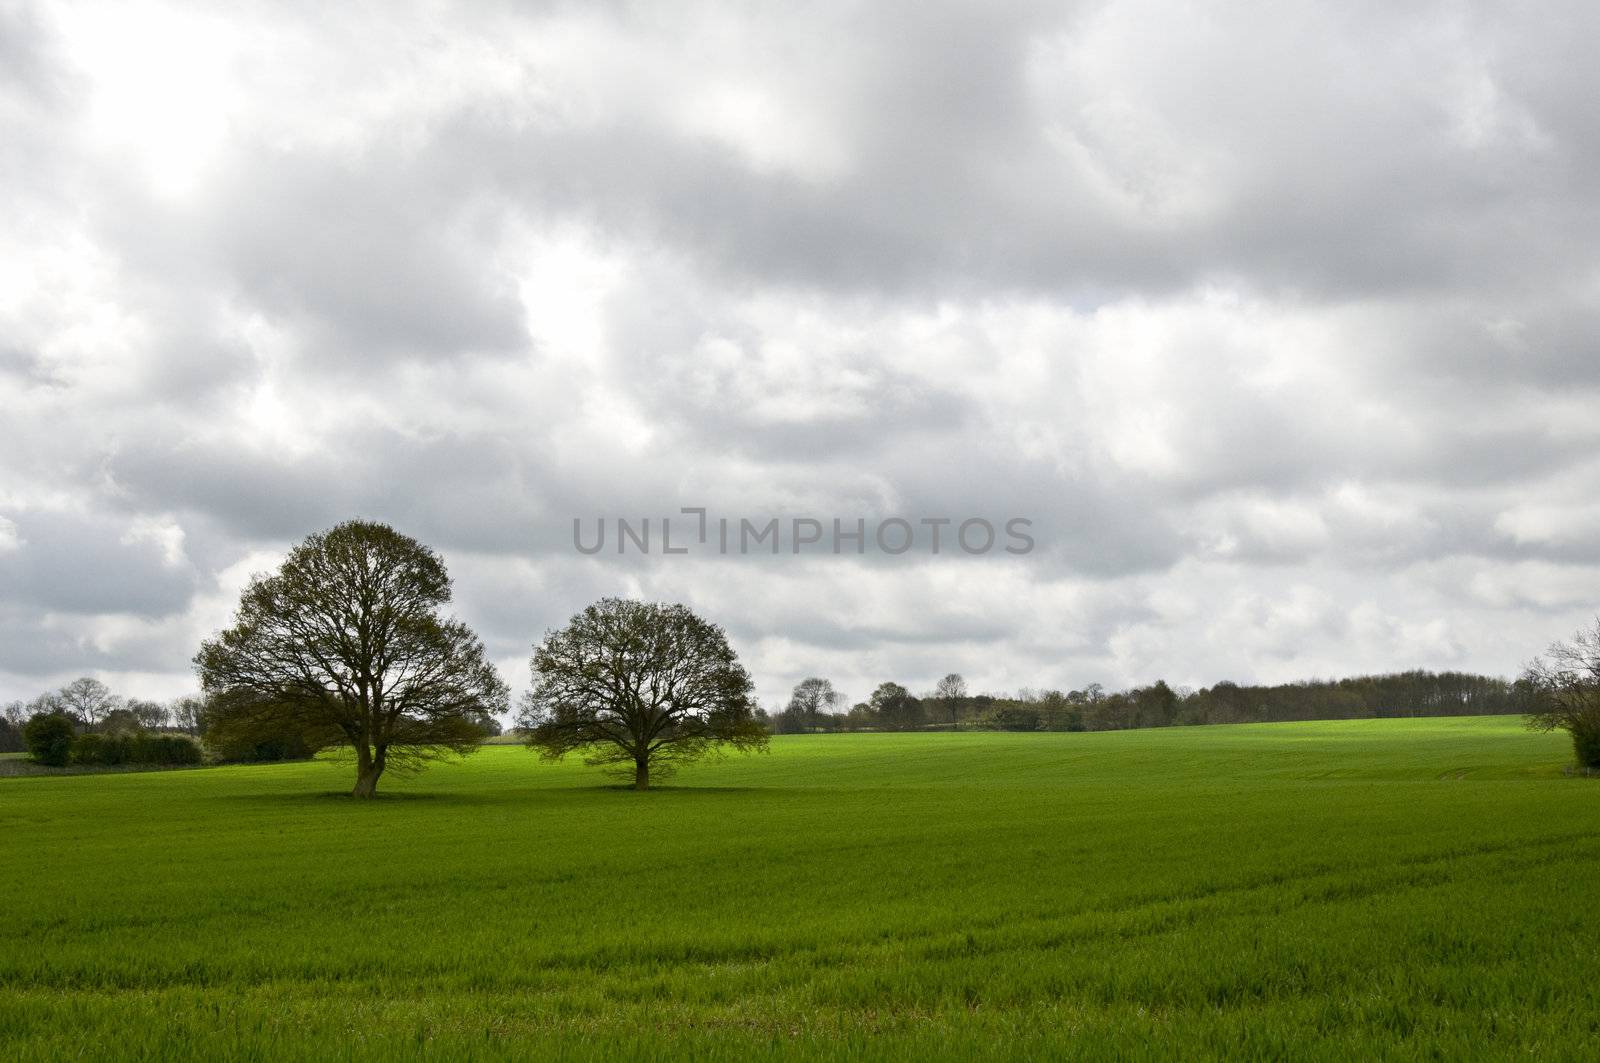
pixel 68 563
pixel 1091 153
pixel 1278 323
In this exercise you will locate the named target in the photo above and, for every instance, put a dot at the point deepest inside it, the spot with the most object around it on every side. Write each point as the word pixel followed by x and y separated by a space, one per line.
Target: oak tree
pixel 347 644
pixel 639 685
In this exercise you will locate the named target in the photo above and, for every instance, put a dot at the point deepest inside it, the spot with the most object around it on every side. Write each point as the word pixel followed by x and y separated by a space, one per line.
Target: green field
pixel 1351 890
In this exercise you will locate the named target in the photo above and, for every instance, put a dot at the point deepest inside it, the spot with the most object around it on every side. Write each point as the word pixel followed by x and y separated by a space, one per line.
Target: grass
pixel 1407 889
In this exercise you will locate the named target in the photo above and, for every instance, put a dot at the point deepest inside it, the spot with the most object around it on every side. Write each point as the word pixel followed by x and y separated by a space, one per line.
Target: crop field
pixel 1410 889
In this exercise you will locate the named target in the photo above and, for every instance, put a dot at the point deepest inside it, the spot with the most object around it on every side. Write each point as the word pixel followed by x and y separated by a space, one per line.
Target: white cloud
pixel 1278 323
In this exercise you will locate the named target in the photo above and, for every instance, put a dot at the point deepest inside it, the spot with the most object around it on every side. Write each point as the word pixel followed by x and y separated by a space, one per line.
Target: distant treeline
pixel 86 723
pixel 814 705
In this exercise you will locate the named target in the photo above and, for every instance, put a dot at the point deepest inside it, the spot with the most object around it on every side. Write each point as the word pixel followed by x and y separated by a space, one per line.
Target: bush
pixel 97 749
pixel 49 738
pixel 163 749
pixel 111 750
pixel 1586 743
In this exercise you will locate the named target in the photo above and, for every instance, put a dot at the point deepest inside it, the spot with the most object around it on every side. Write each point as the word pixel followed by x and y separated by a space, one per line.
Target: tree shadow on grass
pixel 380 798
pixel 499 796
pixel 678 790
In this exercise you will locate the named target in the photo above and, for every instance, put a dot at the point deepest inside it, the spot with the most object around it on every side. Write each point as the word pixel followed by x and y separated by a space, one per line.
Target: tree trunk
pixel 641 773
pixel 368 768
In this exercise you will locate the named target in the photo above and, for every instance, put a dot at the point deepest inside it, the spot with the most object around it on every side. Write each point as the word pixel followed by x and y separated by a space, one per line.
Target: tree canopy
pixel 49 738
pixel 895 708
pixel 87 699
pixel 638 685
pixel 347 645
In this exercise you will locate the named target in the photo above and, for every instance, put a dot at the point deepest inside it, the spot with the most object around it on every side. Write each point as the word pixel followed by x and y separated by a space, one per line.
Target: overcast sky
pixel 1281 322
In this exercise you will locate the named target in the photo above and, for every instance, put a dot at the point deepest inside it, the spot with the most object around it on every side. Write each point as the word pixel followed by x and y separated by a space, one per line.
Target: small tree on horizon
pixel 895 708
pixel 347 645
pixel 811 698
pixel 186 713
pixel 949 692
pixel 1565 685
pixel 152 715
pixel 639 685
pixel 88 700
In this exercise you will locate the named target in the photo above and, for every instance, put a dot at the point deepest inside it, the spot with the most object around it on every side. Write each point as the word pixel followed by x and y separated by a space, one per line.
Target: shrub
pixel 1586 742
pixel 95 749
pixel 163 749
pixel 111 750
pixel 49 738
